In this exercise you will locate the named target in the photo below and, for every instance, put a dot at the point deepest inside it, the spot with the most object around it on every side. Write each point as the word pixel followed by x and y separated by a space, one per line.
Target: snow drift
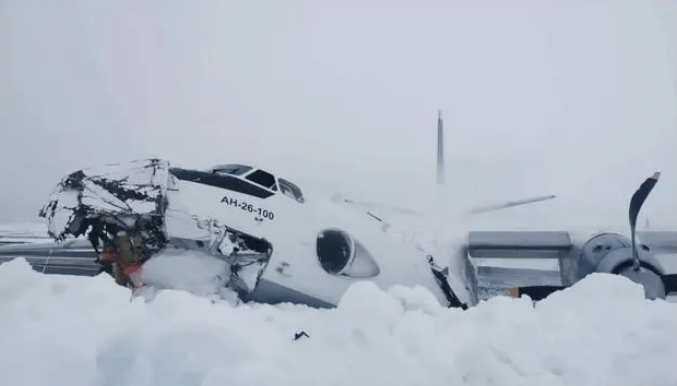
pixel 60 330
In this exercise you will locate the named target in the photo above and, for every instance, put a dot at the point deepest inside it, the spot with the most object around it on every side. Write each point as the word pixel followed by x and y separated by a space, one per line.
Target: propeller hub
pixel 613 253
pixel 652 283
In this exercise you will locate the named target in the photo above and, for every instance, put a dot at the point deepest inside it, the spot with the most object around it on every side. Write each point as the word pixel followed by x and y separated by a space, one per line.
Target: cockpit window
pixel 290 190
pixel 264 179
pixel 235 170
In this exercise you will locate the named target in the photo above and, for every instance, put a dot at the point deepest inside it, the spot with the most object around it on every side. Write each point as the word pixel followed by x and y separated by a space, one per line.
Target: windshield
pixel 263 178
pixel 231 169
pixel 290 190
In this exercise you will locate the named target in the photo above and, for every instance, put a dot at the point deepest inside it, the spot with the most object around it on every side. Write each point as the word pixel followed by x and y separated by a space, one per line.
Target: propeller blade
pixel 636 203
pixel 640 196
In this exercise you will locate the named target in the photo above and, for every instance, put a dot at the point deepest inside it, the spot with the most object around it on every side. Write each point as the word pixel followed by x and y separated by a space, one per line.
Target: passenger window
pixel 264 179
pixel 290 190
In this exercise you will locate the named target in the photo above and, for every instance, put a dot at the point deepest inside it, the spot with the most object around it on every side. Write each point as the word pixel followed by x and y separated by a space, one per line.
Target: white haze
pixel 577 99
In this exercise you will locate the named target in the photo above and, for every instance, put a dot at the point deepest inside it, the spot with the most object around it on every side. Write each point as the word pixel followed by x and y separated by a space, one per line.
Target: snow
pixel 61 330
pixel 23 232
pixel 26 229
pixel 199 274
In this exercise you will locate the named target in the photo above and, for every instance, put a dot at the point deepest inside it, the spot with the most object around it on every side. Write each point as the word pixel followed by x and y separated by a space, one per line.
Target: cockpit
pixel 261 178
pixel 235 170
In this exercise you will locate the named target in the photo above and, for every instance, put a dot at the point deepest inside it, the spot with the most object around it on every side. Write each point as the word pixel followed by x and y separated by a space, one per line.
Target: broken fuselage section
pixel 142 201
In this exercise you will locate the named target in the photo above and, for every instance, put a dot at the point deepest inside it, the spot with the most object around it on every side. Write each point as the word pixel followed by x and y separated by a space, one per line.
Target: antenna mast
pixel 440 149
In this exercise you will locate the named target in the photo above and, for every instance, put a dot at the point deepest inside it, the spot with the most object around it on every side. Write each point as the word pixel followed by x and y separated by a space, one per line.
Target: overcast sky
pixel 577 99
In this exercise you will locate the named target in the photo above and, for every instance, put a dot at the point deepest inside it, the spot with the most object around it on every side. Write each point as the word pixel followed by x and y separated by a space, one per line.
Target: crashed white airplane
pixel 279 243
pixel 273 242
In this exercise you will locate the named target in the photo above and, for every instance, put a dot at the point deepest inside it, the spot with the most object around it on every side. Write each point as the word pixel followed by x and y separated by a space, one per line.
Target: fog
pixel 577 99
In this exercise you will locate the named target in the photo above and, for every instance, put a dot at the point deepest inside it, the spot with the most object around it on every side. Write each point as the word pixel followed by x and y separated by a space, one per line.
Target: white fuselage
pixel 292 227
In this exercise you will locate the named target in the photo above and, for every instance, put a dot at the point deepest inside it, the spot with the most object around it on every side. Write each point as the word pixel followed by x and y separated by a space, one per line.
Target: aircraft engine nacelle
pixel 612 253
pixel 340 254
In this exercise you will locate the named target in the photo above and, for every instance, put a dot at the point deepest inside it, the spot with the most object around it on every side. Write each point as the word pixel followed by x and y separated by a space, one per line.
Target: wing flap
pixel 518 244
pixel 509 277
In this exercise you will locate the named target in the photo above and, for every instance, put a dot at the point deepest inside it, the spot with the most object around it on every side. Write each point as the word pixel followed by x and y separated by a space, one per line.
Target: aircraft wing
pixel 72 257
pixel 508 261
pixel 662 242
pixel 518 244
pixel 553 244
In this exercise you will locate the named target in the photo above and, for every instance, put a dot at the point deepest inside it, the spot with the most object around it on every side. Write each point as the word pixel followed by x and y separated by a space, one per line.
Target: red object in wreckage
pixel 132 270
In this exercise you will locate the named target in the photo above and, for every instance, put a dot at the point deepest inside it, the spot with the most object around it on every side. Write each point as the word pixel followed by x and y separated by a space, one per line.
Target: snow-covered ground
pixel 24 232
pixel 60 330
